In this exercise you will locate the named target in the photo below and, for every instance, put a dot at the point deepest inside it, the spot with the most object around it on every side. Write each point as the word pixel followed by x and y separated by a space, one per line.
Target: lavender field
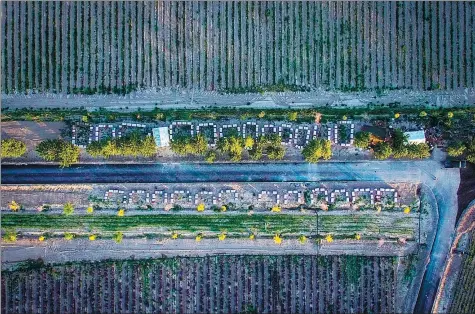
pixel 117 47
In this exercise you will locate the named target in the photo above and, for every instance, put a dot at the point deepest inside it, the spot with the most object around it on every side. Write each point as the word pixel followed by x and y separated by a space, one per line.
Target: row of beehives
pixel 298 135
pixel 114 130
pixel 264 197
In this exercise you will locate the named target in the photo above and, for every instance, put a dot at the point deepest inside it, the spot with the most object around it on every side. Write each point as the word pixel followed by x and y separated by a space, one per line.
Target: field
pixel 464 295
pixel 238 225
pixel 117 47
pixel 214 284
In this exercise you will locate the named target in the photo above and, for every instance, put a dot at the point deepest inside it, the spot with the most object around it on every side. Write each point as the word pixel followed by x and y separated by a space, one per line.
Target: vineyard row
pixel 117 47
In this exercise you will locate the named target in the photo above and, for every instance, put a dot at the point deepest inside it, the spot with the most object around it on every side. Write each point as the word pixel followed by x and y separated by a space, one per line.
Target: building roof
pixel 415 136
pixel 161 136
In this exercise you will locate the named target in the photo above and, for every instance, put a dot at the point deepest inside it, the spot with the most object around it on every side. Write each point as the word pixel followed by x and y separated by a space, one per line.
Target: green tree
pixel 68 209
pixel 470 152
pixel 210 156
pixel 362 139
pixel 293 116
pixel 58 150
pixel 423 114
pixel 317 149
pixel 456 149
pixel 382 150
pixel 248 142
pixel 12 148
pixel 399 142
pixel 233 146
pixel 195 145
pixel 420 150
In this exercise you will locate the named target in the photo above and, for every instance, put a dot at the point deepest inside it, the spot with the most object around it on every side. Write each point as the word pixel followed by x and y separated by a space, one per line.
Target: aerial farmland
pixel 237 156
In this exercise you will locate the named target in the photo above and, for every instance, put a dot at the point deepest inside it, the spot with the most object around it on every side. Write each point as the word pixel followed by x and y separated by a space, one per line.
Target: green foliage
pixel 118 236
pixel 233 146
pixel 399 142
pixel 293 116
pixel 270 144
pixel 362 139
pixel 131 145
pixel 12 148
pixel 317 149
pixel 456 149
pixel 248 142
pixel 210 156
pixel 195 145
pixel 58 150
pixel 420 150
pixel 382 150
pixel 68 209
pixel 470 153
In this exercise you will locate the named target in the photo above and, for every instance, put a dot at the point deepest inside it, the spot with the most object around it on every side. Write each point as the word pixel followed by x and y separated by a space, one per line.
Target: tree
pixel 470 153
pixel 450 115
pixel 456 149
pixel 233 146
pixel 195 145
pixel 293 116
pixel 58 150
pixel 362 139
pixel 317 149
pixel 302 239
pixel 277 239
pixel 399 142
pixel 12 148
pixel 397 115
pixel 68 236
pixel 200 207
pixel 248 142
pixel 68 209
pixel 420 150
pixel 382 150
pixel 276 152
pixel 210 156
pixel 423 114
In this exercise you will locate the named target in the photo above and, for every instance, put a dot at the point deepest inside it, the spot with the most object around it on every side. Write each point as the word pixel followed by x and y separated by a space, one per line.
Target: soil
pixel 466 191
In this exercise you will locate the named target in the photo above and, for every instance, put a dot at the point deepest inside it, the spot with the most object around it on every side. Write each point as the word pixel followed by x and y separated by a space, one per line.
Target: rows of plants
pixel 118 47
pixel 207 225
pixel 464 294
pixel 212 284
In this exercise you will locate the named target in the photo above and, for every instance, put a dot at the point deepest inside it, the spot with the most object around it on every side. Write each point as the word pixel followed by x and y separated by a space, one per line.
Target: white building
pixel 415 137
pixel 161 136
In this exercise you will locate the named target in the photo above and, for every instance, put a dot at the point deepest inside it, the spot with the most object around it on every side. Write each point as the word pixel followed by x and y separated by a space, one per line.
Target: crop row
pixel 382 224
pixel 213 284
pixel 107 46
pixel 464 295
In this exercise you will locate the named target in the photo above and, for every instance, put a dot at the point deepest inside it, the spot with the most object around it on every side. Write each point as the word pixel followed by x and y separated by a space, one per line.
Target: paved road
pixel 167 173
pixel 443 182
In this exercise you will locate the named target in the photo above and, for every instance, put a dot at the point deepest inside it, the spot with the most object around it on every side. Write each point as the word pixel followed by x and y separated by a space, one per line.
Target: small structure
pixel 161 136
pixel 415 137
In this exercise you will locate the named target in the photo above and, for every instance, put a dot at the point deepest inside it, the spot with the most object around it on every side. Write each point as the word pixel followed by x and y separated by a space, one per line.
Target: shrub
pixel 456 149
pixel 14 206
pixel 222 236
pixel 68 236
pixel 68 209
pixel 329 238
pixel 118 237
pixel 450 115
pixel 382 150
pixel 121 213
pixel 58 150
pixel 302 239
pixel 317 149
pixel 41 238
pixel 175 235
pixel 90 210
pixel 362 139
pixel 277 239
pixel 12 148
pixel 210 156
pixel 92 237
pixel 199 237
pixel 261 114
pixel 200 207
pixel 397 115
pixel 423 114
pixel 276 209
pixel 357 236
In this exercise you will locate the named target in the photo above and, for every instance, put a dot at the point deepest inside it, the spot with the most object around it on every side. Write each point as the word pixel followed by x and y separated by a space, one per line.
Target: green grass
pixel 269 224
